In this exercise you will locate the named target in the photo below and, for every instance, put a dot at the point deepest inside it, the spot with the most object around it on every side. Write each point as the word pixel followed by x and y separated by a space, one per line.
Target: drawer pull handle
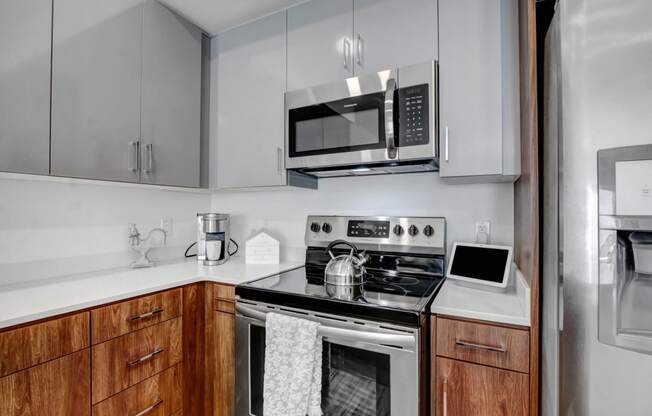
pixel 445 396
pixel 145 315
pixel 150 408
pixel 466 344
pixel 144 358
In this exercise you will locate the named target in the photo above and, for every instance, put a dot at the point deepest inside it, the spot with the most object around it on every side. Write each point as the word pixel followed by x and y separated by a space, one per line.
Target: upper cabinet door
pixel 171 100
pixel 250 61
pixel 394 33
pixel 25 28
pixel 320 43
pixel 478 87
pixel 96 88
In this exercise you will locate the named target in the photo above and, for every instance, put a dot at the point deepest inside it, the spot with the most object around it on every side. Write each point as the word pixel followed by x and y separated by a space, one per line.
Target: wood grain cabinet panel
pixel 495 346
pixel 57 388
pixel 224 306
pixel 35 344
pixel 129 359
pixel 124 317
pixel 223 363
pixel 162 393
pixel 224 292
pixel 464 389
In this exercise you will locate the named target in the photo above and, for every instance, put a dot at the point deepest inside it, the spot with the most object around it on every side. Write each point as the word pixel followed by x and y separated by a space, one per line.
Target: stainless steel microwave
pixel 384 122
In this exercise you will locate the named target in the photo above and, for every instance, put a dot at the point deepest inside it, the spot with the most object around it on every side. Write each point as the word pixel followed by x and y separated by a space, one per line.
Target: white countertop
pixel 21 303
pixel 509 307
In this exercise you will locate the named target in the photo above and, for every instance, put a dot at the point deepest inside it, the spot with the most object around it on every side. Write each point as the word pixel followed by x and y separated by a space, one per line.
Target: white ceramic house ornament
pixel 262 249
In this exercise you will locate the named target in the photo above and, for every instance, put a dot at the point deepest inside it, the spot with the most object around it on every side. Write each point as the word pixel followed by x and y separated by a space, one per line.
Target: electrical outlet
pixel 483 232
pixel 166 224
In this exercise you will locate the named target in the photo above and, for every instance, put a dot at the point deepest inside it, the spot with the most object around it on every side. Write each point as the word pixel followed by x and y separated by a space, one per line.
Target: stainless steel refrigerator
pixel 597 210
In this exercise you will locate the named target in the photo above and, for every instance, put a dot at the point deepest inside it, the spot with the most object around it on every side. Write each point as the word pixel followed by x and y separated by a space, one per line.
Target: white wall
pixel 73 226
pixel 283 211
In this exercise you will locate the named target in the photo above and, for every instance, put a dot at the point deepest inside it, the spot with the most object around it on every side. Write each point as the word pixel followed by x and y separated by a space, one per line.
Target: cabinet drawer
pixel 161 394
pixel 129 359
pixel 35 344
pixel 115 320
pixel 57 388
pixel 484 344
pixel 464 389
pixel 223 306
pixel 224 292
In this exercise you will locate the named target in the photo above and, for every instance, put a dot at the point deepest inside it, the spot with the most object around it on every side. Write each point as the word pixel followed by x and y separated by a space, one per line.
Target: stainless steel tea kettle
pixel 345 269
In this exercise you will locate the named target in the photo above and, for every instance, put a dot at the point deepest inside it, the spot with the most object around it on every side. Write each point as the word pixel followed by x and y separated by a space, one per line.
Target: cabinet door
pixel 171 103
pixel 96 88
pixel 464 389
pixel 320 43
pixel 56 388
pixel 414 41
pixel 25 29
pixel 250 104
pixel 470 88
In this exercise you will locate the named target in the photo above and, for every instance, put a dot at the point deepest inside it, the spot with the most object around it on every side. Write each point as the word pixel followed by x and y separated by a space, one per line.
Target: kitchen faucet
pixel 143 245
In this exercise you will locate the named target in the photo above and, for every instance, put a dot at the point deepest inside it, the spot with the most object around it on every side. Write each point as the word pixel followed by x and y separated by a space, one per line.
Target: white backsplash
pixel 282 212
pixel 59 227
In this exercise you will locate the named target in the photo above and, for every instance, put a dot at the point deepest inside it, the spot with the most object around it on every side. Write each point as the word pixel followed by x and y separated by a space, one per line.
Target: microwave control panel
pixel 414 114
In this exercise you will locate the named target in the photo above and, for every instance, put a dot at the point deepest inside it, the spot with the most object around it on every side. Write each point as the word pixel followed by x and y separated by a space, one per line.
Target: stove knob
pixel 315 227
pixel 326 227
pixel 428 231
pixel 413 230
pixel 398 230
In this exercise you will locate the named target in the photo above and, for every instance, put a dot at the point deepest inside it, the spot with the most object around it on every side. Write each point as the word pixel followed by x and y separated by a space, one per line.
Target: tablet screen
pixel 482 263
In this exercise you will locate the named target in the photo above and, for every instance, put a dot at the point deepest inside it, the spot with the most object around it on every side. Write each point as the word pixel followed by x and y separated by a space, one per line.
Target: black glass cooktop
pixel 397 294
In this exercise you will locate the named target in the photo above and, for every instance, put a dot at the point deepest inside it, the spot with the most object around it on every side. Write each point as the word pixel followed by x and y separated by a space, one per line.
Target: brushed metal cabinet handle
pixel 360 49
pixel 445 397
pixel 145 315
pixel 145 357
pixel 149 148
pixel 346 51
pixel 132 163
pixel 149 408
pixel 446 143
pixel 472 345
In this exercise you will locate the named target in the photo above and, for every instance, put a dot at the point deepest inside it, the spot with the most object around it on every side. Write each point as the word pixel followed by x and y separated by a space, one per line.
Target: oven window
pixel 340 126
pixel 355 382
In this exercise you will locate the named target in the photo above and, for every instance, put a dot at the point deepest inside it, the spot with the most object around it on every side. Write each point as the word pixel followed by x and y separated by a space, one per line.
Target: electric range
pixel 376 358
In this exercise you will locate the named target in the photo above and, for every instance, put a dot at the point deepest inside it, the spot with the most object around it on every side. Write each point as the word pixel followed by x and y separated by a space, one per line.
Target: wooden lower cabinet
pixel 160 395
pixel 464 389
pixel 224 364
pixel 56 388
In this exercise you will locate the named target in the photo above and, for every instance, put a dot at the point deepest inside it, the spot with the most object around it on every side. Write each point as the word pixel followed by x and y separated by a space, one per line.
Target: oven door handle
pixel 398 340
pixel 390 138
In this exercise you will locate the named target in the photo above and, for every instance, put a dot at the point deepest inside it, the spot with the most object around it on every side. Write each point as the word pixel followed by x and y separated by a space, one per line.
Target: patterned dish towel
pixel 293 359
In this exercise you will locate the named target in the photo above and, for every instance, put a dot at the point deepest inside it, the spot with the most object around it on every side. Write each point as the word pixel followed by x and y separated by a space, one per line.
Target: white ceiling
pixel 216 16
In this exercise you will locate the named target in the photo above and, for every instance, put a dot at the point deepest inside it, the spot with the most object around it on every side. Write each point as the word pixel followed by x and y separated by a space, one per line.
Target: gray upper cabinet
pixel 319 43
pixel 25 28
pixel 250 62
pixel 393 33
pixel 171 98
pixel 96 89
pixel 126 93
pixel 331 40
pixel 479 93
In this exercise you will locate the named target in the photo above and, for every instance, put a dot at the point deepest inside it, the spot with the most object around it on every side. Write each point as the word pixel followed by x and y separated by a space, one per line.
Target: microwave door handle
pixel 406 341
pixel 389 119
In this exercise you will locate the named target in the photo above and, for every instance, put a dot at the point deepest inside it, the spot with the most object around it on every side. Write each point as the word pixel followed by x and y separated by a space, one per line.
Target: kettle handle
pixel 340 242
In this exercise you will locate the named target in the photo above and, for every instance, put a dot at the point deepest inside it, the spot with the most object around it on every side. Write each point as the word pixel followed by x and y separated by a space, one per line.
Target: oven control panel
pixel 402 234
pixel 413 115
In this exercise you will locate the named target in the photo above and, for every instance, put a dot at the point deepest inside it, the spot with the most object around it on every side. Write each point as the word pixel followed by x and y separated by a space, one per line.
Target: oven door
pixel 366 370
pixel 346 123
